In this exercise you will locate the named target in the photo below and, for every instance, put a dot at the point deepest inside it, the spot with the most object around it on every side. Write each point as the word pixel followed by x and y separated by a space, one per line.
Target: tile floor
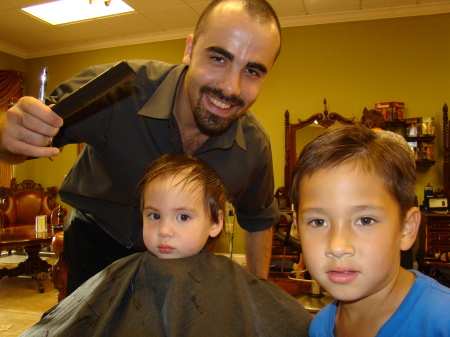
pixel 21 304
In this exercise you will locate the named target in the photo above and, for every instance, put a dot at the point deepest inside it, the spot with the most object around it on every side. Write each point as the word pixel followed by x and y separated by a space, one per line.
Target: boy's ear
pixel 188 50
pixel 410 228
pixel 216 227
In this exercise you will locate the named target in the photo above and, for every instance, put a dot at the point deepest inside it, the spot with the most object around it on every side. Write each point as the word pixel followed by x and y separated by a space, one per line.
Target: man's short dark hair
pixel 259 10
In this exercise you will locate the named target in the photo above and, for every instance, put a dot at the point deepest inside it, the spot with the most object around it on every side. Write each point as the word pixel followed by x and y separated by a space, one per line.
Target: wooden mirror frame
pixel 324 119
pixel 446 168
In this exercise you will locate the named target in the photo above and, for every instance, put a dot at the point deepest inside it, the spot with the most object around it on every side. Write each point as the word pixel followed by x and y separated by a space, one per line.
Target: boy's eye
pixel 154 216
pixel 183 217
pixel 366 221
pixel 318 223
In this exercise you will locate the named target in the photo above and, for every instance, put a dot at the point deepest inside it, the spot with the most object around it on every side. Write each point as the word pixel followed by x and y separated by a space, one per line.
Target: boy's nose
pixel 340 243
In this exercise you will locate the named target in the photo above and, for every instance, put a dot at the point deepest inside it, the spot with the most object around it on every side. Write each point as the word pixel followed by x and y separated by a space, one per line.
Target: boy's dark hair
pixel 373 119
pixel 362 148
pixel 259 10
pixel 199 174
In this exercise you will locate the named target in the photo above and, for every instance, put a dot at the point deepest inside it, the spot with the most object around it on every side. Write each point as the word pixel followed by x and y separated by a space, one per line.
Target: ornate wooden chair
pixel 19 206
pixel 21 203
pixel 58 274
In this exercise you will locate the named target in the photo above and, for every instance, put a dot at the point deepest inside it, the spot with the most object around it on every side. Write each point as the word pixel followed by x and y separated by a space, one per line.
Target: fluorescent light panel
pixel 65 11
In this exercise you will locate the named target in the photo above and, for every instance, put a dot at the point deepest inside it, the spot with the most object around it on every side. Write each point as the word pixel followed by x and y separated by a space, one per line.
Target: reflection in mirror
pixel 298 135
pixel 308 133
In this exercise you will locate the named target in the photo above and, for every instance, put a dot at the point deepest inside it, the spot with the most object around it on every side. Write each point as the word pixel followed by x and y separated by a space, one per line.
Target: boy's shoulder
pixel 435 291
pixel 423 312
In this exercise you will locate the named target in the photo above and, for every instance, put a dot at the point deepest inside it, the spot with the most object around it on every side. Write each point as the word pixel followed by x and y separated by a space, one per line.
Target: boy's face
pixel 351 232
pixel 175 220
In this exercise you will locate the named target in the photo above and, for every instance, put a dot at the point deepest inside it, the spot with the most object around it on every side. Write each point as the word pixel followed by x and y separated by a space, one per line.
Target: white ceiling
pixel 155 20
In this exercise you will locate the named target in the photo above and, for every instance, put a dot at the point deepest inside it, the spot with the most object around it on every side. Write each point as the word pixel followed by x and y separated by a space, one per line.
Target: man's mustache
pixel 233 100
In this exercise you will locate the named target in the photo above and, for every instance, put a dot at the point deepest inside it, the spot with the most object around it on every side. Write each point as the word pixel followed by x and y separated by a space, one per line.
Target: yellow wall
pixel 10 62
pixel 353 65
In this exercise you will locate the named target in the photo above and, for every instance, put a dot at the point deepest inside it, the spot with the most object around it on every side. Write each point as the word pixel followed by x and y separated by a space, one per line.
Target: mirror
pixel 298 135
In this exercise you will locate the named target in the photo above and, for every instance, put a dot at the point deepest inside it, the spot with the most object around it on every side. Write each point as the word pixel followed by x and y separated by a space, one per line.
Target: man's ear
pixel 188 50
pixel 410 228
pixel 216 227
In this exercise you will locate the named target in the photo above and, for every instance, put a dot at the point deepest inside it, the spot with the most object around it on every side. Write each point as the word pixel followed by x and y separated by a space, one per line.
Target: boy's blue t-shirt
pixel 425 311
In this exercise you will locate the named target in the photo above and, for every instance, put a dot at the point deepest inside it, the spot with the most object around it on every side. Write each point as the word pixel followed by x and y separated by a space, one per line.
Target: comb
pixel 94 89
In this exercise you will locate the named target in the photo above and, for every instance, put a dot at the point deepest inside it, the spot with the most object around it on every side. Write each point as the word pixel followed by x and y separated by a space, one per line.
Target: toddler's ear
pixel 216 227
pixel 410 228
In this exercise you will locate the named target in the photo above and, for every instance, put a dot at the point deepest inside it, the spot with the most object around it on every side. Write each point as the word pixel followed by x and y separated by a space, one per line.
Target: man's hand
pixel 27 130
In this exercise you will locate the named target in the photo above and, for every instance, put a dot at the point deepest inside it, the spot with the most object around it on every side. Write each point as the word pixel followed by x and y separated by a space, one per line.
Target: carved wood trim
pixel 29 185
pixel 325 119
pixel 446 168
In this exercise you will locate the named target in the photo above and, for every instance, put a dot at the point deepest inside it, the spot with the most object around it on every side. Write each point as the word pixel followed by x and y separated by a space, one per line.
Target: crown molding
pixel 286 21
pixel 364 15
pixel 6 48
pixel 110 43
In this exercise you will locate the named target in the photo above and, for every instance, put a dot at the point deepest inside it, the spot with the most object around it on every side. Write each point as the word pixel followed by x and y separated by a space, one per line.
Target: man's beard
pixel 209 123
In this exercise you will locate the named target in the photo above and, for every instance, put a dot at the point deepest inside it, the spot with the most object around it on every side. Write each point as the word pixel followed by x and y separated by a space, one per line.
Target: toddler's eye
pixel 318 223
pixel 183 217
pixel 154 216
pixel 366 221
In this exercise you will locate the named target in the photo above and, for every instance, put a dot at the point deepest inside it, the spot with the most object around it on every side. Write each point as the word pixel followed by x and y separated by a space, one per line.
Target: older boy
pixel 172 290
pixel 353 194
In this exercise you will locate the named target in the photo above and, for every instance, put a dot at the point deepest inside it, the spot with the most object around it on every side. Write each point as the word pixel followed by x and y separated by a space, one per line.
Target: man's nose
pixel 231 83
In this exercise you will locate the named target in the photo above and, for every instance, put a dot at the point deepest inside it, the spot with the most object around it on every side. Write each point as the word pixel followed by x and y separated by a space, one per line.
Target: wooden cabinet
pixel 437 233
pixel 435 241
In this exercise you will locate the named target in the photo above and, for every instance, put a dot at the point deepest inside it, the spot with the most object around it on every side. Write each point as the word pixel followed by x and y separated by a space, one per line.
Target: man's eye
pixel 218 59
pixel 154 216
pixel 318 223
pixel 366 221
pixel 253 72
pixel 183 217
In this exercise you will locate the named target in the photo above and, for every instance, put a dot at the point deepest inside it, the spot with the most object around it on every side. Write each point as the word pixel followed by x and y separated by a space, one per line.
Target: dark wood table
pixel 32 242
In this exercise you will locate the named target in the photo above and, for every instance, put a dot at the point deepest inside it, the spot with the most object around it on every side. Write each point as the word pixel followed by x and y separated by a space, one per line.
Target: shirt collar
pixel 160 106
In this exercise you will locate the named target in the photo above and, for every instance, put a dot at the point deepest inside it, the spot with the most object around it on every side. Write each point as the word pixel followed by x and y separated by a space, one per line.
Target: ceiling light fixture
pixel 65 11
pixel 107 2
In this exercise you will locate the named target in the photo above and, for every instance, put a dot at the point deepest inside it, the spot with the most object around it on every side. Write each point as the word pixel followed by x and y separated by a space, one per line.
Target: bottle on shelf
pixel 427 193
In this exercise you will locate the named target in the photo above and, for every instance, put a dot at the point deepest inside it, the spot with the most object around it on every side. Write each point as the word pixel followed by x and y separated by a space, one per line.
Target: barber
pixel 200 107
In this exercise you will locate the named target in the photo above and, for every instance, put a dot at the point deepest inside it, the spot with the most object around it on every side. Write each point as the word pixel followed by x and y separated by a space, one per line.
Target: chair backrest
pixel 21 203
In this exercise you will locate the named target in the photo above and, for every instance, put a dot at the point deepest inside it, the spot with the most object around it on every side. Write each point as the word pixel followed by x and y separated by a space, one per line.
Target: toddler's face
pixel 350 230
pixel 175 221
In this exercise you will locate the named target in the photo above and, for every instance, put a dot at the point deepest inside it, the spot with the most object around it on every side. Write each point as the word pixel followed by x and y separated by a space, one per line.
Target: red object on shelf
pixel 382 105
pixel 395 113
pixel 397 105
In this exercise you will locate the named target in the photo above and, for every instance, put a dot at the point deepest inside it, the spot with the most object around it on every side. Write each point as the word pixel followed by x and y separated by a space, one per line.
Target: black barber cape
pixel 203 295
